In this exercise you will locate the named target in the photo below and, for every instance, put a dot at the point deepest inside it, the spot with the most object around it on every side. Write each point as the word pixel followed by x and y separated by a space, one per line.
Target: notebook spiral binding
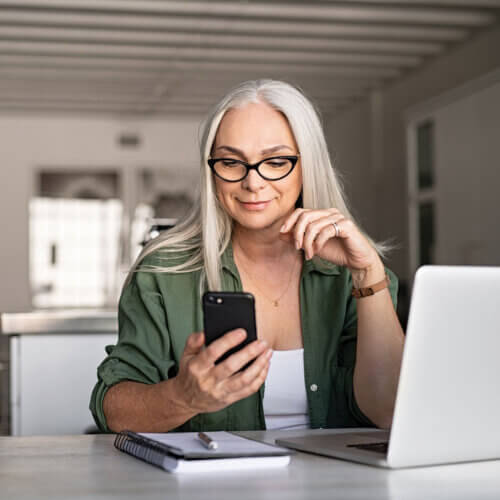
pixel 141 447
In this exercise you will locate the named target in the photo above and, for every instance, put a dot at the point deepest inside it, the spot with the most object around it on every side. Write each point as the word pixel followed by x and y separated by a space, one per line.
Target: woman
pixel 271 220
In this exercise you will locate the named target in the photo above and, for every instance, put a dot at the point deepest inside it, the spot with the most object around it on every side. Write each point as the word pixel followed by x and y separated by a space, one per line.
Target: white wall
pixel 28 143
pixel 468 179
pixel 378 184
pixel 351 154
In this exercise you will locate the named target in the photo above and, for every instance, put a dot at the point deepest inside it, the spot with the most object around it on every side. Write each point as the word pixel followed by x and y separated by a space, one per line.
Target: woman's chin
pixel 258 222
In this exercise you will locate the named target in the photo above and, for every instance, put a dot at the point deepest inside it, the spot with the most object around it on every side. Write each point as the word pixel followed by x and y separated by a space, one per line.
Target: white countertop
pixel 59 321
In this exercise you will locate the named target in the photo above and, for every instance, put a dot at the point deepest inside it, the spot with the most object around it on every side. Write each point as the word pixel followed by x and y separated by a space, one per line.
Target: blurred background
pixel 100 107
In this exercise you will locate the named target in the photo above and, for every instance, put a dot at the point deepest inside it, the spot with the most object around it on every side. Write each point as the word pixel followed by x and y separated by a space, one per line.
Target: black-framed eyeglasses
pixel 270 169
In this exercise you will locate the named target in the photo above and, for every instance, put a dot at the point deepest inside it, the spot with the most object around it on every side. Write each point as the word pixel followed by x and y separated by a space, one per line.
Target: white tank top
pixel 285 398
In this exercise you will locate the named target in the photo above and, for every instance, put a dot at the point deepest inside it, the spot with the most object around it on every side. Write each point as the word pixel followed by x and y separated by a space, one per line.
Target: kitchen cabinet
pixel 53 362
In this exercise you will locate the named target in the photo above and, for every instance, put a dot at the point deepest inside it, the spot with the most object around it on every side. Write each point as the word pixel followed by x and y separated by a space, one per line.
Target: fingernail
pixel 269 353
pixel 297 245
pixel 282 228
pixel 263 343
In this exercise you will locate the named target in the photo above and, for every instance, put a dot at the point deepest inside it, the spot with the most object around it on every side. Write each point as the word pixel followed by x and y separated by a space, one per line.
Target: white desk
pixel 89 467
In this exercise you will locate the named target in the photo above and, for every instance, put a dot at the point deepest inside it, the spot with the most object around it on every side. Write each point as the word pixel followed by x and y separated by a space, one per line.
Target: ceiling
pixel 161 57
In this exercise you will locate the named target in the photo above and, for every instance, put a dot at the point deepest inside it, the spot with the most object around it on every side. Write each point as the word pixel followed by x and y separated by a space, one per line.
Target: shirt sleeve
pixel 142 353
pixel 348 413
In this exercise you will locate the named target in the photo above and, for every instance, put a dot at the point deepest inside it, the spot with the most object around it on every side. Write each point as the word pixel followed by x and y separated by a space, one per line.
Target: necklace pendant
pixel 276 303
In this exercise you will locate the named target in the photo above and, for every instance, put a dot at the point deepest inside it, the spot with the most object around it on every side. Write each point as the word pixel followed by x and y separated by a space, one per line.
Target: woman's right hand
pixel 203 386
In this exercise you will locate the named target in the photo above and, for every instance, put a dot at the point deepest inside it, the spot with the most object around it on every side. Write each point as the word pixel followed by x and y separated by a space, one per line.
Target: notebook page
pixel 227 443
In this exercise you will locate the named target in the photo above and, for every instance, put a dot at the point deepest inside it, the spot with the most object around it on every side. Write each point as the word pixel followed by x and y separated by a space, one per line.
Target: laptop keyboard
pixel 377 447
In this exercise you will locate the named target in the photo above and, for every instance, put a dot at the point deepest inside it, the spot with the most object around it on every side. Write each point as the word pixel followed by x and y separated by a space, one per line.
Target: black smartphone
pixel 225 311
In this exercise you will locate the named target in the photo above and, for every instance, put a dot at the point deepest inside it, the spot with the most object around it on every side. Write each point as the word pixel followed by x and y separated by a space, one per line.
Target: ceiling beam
pixel 75 97
pixel 303 11
pixel 201 24
pixel 68 102
pixel 316 94
pixel 188 53
pixel 211 87
pixel 437 3
pixel 244 70
pixel 116 93
pixel 56 94
pixel 16 67
pixel 119 99
pixel 301 43
pixel 97 110
pixel 97 106
pixel 87 83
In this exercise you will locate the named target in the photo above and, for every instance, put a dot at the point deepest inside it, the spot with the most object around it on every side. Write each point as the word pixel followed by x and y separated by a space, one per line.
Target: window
pixel 426 231
pixel 422 193
pixel 75 234
pixel 425 155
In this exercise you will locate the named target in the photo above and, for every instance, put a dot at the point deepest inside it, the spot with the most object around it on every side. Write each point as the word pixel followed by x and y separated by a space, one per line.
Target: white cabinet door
pixel 52 377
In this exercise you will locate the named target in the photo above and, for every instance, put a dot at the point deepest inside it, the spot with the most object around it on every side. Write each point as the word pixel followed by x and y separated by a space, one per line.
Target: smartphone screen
pixel 225 311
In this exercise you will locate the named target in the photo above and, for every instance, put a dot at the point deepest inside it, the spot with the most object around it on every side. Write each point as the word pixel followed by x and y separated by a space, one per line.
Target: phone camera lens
pixel 211 299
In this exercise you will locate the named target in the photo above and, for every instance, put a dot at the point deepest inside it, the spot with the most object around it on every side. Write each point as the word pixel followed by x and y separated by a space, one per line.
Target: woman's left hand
pixel 314 231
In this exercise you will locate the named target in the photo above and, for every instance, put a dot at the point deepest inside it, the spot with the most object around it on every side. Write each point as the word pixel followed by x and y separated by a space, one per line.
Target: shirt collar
pixel 316 264
pixel 227 260
pixel 321 266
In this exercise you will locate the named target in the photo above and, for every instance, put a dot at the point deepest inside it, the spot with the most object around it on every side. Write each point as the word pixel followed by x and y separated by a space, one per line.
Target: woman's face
pixel 253 133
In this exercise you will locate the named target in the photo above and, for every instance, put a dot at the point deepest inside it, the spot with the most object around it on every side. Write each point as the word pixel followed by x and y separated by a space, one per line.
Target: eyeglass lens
pixel 272 168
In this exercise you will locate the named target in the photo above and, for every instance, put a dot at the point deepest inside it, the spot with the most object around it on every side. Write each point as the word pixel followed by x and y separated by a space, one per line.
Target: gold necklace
pixel 275 302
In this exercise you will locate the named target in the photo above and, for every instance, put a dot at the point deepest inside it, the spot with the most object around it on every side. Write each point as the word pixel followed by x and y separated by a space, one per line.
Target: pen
pixel 207 441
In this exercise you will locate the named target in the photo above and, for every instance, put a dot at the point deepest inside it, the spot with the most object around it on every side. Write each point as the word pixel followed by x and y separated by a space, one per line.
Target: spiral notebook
pixel 184 452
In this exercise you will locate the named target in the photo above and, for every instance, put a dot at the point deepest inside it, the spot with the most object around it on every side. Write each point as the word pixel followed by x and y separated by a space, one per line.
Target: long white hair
pixel 206 232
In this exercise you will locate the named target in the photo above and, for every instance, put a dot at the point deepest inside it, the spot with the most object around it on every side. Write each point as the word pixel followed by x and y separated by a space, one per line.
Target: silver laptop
pixel 448 401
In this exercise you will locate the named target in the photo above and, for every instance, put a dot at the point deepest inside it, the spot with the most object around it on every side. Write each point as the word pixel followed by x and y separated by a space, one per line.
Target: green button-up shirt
pixel 158 311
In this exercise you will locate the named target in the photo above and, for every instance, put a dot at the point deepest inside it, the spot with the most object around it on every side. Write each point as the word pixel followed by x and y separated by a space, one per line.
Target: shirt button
pixel 313 387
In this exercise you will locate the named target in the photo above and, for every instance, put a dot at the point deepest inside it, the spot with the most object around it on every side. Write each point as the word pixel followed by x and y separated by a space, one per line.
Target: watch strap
pixel 359 293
